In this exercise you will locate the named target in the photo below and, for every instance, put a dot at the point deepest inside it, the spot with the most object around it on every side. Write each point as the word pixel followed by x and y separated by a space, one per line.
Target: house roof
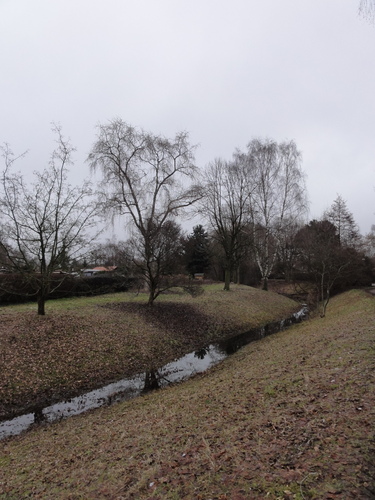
pixel 102 268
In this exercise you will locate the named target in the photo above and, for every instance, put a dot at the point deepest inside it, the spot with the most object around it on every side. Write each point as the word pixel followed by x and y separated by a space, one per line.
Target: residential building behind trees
pixel 112 253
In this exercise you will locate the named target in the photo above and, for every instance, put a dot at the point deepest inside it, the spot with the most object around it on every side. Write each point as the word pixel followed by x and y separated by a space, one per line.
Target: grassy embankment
pixel 83 343
pixel 291 416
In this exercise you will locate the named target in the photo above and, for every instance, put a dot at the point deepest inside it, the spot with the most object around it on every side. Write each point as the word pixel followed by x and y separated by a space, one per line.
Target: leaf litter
pixel 266 423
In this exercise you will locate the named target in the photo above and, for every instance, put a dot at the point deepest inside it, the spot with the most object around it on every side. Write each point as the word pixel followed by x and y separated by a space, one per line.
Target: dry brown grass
pixel 291 416
pixel 84 343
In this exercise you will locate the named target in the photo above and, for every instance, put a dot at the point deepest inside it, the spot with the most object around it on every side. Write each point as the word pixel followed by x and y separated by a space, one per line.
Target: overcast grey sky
pixel 225 71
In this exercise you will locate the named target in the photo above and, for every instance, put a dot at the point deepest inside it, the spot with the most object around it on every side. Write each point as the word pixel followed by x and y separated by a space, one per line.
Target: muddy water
pixel 176 371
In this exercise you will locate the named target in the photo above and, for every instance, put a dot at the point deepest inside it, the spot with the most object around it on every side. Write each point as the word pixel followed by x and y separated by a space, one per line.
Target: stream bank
pixel 195 362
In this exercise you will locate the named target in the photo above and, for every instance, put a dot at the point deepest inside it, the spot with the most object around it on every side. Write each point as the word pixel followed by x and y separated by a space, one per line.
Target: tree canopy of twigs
pixel 367 10
pixel 277 196
pixel 150 180
pixel 225 206
pixel 46 223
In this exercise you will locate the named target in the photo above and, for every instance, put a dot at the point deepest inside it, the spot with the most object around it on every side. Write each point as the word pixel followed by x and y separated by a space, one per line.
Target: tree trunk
pixel 238 275
pixel 227 280
pixel 153 290
pixel 265 283
pixel 325 303
pixel 41 303
pixel 322 288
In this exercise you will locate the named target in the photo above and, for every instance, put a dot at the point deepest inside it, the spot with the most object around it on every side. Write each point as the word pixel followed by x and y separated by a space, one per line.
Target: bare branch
pixel 367 10
pixel 278 198
pixel 225 208
pixel 147 178
pixel 47 221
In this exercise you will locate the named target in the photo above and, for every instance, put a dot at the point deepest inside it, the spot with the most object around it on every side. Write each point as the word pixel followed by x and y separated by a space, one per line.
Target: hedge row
pixel 17 288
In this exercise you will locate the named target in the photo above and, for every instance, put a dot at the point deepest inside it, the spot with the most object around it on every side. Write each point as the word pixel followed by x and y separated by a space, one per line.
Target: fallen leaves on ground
pixel 291 416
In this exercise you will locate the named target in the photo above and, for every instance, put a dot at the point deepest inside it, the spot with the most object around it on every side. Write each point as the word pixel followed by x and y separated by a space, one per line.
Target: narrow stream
pixel 176 371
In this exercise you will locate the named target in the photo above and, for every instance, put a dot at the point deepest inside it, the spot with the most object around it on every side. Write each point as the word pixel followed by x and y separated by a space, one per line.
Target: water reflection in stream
pixel 176 371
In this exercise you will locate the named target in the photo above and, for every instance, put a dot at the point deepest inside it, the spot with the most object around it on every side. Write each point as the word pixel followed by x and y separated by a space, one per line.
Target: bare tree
pixel 45 222
pixel 225 207
pixel 287 252
pixel 369 243
pixel 367 9
pixel 149 179
pixel 276 196
pixel 4 261
pixel 324 259
pixel 166 253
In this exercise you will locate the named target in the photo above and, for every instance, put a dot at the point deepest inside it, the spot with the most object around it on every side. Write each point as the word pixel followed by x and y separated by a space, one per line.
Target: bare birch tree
pixel 46 221
pixel 276 196
pixel 150 180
